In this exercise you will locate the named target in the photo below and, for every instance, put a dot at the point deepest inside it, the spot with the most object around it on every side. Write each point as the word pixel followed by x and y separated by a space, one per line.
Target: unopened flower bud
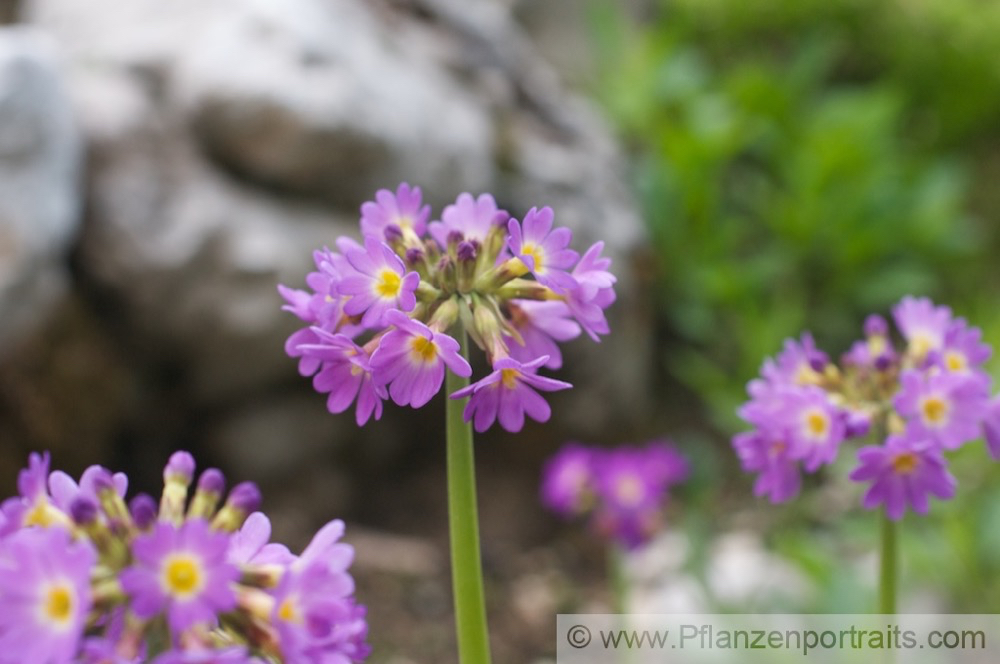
pixel 244 499
pixel 211 486
pixel 143 509
pixel 393 234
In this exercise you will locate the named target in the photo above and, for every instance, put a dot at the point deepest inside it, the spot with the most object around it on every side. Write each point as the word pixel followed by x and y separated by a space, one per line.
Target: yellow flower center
pixel 424 349
pixel 955 361
pixel 288 610
pixel 58 603
pixel 876 345
pixel 509 378
pixel 935 410
pixel 388 284
pixel 537 253
pixel 182 576
pixel 817 424
pixel 40 514
pixel 905 463
pixel 404 221
pixel 629 491
pixel 921 344
pixel 806 375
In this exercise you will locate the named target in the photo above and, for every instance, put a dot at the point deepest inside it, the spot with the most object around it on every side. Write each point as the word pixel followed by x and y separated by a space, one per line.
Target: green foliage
pixel 803 163
pixel 787 171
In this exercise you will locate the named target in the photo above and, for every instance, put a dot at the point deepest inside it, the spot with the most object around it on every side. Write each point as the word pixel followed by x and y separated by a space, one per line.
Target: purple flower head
pixel 568 480
pixel 593 293
pixel 903 472
pixel 630 493
pixel 182 571
pixel 44 595
pixel 543 250
pixel 411 360
pixel 378 284
pixel 508 394
pixel 345 373
pixel 472 218
pixel 541 325
pixel 946 408
pixel 769 455
pixel 403 210
pixel 923 325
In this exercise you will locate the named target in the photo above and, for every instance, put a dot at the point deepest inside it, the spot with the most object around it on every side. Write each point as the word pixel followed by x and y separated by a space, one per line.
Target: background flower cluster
pixel 917 401
pixel 87 578
pixel 623 490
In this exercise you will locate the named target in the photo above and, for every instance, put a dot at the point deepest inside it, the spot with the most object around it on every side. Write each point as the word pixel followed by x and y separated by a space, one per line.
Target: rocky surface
pixel 39 193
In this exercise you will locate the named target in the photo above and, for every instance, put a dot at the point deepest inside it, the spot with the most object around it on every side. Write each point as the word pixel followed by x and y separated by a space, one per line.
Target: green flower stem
pixel 616 576
pixel 463 524
pixel 887 576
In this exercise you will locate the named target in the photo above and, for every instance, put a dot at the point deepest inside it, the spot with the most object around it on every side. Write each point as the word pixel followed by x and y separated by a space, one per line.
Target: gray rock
pixel 328 101
pixel 39 169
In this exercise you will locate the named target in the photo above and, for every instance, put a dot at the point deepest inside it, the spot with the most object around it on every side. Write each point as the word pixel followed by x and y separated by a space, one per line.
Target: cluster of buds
pixel 87 578
pixel 381 314
pixel 623 490
pixel 918 401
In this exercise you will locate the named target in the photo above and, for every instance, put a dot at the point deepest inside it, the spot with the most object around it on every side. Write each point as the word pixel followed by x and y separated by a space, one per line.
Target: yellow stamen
pixel 59 604
pixel 388 284
pixel 509 378
pixel 537 253
pixel 287 610
pixel 817 424
pixel 424 349
pixel 921 344
pixel 955 361
pixel 905 463
pixel 935 410
pixel 182 576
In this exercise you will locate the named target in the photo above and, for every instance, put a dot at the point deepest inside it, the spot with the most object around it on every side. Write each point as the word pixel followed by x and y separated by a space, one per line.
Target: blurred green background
pixel 802 163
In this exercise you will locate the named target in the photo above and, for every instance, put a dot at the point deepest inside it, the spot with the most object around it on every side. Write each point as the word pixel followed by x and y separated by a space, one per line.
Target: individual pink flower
pixel 404 210
pixel 923 324
pixel 508 394
pixel 903 472
pixel 471 218
pixel 541 325
pixel 345 373
pixel 594 292
pixel 411 360
pixel 944 407
pixel 543 250
pixel 44 595
pixel 183 572
pixel 379 283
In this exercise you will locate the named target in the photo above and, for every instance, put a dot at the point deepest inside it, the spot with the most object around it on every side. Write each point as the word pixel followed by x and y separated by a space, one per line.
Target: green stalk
pixel 616 575
pixel 463 524
pixel 887 576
